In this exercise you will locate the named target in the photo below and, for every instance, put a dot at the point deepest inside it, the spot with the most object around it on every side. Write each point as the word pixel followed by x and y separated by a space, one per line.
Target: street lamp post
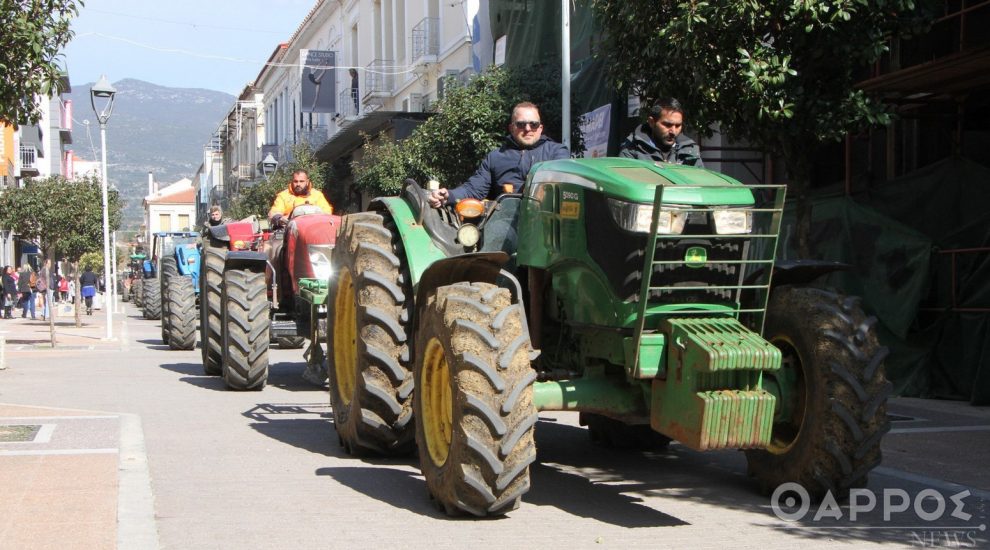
pixel 105 92
pixel 268 166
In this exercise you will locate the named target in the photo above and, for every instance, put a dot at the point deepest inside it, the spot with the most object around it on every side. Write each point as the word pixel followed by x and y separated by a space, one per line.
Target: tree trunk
pixel 47 270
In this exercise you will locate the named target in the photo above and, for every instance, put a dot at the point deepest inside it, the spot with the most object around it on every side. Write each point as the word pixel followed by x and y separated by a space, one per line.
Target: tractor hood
pixel 636 181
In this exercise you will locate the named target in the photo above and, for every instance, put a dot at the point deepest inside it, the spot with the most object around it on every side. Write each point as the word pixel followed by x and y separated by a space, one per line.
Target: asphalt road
pixel 264 470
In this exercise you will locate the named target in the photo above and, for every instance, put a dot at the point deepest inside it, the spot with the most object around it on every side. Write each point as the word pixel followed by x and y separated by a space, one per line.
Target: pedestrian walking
pixel 9 295
pixel 42 287
pixel 88 282
pixel 26 281
pixel 63 288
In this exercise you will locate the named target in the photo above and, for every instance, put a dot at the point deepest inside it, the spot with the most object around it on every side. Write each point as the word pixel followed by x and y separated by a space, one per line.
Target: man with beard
pixel 660 139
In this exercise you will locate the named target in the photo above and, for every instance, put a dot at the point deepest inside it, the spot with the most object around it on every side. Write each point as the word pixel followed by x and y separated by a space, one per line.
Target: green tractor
pixel 472 319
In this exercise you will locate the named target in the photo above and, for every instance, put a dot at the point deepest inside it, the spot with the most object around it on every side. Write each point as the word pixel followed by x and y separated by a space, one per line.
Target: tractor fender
pixel 245 259
pixel 475 267
pixel 218 232
pixel 791 272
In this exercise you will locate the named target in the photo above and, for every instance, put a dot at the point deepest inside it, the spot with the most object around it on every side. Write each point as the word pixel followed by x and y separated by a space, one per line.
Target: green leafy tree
pixel 779 75
pixel 469 122
pixel 64 217
pixel 31 40
pixel 257 199
pixel 92 260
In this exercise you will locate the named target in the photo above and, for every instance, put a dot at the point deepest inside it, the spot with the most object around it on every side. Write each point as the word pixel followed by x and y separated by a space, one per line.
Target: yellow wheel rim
pixel 345 337
pixel 786 435
pixel 437 402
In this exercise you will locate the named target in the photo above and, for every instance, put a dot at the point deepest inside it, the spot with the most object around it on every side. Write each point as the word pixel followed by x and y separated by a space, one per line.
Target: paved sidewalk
pixel 21 335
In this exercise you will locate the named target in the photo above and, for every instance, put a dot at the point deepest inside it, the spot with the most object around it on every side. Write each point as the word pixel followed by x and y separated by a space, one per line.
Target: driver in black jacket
pixel 504 170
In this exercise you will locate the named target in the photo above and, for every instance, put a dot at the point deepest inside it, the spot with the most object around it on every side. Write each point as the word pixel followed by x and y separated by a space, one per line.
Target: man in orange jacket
pixel 300 192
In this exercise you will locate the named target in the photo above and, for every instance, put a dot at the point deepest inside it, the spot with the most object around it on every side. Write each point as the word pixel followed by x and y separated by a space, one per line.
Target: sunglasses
pixel 530 124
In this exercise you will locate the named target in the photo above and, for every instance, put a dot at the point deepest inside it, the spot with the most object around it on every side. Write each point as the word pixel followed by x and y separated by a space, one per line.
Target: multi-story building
pixel 35 151
pixel 353 68
pixel 172 208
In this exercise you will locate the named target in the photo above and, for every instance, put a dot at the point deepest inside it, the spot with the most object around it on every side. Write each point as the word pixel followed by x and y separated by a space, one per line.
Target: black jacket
pixel 9 284
pixel 640 145
pixel 88 278
pixel 507 164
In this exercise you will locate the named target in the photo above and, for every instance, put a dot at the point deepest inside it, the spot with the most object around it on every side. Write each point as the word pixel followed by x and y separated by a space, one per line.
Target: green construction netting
pixel 896 237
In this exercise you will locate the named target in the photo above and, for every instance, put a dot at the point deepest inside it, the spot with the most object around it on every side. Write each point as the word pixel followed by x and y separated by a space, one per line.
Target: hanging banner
pixel 318 92
pixel 594 127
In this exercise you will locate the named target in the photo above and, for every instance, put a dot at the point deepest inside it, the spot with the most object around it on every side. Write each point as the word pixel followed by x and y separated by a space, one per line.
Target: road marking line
pixel 931 482
pixel 983 428
pixel 42 452
pixel 6 419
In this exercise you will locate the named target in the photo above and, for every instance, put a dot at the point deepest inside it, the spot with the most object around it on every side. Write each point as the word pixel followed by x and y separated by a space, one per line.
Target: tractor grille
pixel 620 255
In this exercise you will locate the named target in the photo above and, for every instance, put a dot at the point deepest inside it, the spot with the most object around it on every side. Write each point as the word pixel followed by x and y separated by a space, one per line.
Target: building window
pixel 164 222
pixel 184 222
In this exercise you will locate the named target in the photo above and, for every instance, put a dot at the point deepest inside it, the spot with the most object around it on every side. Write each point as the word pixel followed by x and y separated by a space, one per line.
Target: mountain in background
pixel 152 129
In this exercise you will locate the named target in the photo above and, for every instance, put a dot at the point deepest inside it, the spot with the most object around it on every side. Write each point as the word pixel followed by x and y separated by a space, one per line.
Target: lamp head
pixel 103 90
pixel 269 165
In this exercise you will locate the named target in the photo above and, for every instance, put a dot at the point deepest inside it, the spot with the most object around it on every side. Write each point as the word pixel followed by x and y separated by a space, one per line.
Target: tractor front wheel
pixel 474 400
pixel 290 342
pixel 168 271
pixel 136 292
pixel 210 313
pixel 831 394
pixel 181 300
pixel 370 381
pixel 245 329
pixel 152 300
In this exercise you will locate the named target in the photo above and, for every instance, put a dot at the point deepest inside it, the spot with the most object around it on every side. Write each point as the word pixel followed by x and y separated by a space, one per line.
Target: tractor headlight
pixel 319 258
pixel 468 235
pixel 633 216
pixel 732 221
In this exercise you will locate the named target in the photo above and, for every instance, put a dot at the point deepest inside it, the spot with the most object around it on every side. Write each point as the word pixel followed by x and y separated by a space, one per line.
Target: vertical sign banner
pixel 594 126
pixel 318 92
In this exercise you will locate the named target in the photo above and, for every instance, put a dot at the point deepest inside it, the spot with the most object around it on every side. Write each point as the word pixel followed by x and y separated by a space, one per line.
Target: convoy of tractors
pixel 647 297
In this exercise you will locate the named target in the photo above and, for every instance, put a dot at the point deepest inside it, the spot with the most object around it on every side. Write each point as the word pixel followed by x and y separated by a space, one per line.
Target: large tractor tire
pixel 473 403
pixel 136 292
pixel 615 434
pixel 181 300
pixel 125 294
pixel 152 300
pixel 246 326
pixel 290 342
pixel 370 380
pixel 168 271
pixel 831 413
pixel 210 312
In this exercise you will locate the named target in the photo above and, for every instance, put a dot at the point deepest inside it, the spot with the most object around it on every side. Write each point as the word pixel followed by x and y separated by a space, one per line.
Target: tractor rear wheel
pixel 168 271
pixel 615 434
pixel 245 329
pixel 370 380
pixel 152 300
pixel 831 394
pixel 290 342
pixel 181 300
pixel 210 314
pixel 474 399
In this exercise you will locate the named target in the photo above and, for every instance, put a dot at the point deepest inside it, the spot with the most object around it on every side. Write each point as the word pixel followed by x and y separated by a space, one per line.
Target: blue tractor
pixel 176 255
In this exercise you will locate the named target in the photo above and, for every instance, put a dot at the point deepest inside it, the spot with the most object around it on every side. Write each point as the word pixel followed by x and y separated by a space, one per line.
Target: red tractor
pixel 260 286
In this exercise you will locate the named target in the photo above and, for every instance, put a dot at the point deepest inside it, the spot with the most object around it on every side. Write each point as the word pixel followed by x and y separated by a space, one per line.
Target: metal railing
pixel 315 136
pixel 29 157
pixel 246 171
pixel 379 78
pixel 426 38
pixel 349 103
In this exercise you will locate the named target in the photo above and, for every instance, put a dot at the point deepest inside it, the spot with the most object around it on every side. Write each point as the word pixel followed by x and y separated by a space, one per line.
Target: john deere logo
pixel 695 256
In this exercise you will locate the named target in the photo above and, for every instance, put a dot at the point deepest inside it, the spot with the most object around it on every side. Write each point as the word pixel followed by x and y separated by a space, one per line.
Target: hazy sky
pixel 213 44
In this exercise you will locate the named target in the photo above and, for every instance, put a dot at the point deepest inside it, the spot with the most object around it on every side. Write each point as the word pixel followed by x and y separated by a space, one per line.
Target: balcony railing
pixel 426 40
pixel 245 171
pixel 379 80
pixel 29 158
pixel 315 136
pixel 349 103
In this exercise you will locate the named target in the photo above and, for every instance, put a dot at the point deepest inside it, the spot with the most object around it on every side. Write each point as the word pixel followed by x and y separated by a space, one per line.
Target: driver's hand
pixel 277 221
pixel 438 197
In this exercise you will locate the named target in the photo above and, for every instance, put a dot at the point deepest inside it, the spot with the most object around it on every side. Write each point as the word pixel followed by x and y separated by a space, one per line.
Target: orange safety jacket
pixel 287 200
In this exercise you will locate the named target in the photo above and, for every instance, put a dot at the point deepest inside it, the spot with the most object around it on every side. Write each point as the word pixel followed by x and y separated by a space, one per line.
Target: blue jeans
pixel 28 304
